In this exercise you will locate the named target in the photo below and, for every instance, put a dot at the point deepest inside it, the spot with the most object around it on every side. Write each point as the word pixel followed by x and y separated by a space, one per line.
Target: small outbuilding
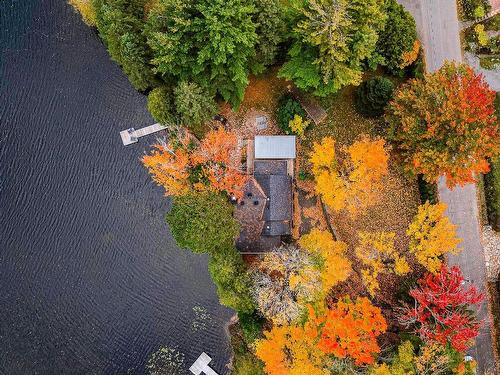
pixel 275 147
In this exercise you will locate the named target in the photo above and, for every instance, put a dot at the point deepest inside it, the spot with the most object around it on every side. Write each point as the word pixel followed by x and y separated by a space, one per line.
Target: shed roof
pixel 275 147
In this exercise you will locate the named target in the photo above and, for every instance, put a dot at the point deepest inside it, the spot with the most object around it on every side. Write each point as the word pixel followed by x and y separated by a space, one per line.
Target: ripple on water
pixel 92 281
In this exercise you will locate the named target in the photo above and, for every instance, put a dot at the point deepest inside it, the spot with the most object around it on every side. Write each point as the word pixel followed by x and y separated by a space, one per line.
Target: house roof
pixel 275 147
pixel 278 188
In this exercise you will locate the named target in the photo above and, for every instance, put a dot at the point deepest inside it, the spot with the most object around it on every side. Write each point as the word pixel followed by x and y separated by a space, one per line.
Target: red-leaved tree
pixel 442 312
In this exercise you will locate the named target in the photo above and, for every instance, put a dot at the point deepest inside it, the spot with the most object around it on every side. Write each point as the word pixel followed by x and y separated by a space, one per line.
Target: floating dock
pixel 131 135
pixel 200 366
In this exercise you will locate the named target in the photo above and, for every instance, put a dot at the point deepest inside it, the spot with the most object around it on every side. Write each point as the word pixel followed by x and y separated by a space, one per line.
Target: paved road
pixel 438 29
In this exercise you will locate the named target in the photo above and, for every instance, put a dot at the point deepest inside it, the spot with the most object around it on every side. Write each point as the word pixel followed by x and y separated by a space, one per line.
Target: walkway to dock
pixel 131 135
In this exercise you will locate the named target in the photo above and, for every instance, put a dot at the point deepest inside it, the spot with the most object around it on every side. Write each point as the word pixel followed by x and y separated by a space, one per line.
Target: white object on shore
pixel 200 366
pixel 131 135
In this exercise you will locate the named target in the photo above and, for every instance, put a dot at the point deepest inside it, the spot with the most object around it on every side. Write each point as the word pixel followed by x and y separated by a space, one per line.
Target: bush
pixel 473 9
pixel 287 109
pixel 195 105
pixel 160 104
pixel 492 193
pixel 373 95
pixel 232 280
pixel 203 222
pixel 244 361
pixel 251 325
pixel 398 38
pixel 428 191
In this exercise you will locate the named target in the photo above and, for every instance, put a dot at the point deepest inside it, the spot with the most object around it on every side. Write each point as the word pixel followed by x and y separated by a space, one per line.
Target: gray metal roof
pixel 275 147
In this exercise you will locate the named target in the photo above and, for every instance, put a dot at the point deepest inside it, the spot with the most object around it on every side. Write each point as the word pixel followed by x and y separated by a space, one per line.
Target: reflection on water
pixel 92 282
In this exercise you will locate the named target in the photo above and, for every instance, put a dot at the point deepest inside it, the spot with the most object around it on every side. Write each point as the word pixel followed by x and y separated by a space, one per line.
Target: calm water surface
pixel 91 280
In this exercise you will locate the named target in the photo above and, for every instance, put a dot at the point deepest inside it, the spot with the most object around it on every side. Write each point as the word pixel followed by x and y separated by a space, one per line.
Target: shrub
pixel 287 109
pixel 232 280
pixel 427 190
pixel 298 126
pixel 203 222
pixel 397 39
pixel 373 95
pixel 160 104
pixel 194 104
pixel 492 192
pixel 251 326
pixel 473 9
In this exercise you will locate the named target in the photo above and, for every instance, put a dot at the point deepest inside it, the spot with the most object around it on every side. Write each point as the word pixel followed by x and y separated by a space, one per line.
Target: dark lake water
pixel 91 280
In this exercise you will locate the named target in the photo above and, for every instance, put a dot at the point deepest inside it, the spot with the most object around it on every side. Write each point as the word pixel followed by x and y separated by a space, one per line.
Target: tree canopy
pixel 120 24
pixel 331 40
pixel 445 124
pixel 442 311
pixel 203 222
pixel 397 41
pixel 353 181
pixel 208 42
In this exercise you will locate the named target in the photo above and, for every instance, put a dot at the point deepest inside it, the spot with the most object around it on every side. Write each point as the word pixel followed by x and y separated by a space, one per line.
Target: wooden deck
pixel 310 105
pixel 131 135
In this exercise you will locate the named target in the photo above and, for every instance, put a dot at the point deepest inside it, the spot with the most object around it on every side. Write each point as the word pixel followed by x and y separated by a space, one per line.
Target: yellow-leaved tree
pixel 293 350
pixel 352 180
pixel 378 255
pixel 332 260
pixel 432 235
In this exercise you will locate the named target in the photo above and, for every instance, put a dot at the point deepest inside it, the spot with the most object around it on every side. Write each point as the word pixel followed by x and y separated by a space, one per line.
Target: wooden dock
pixel 131 135
pixel 200 366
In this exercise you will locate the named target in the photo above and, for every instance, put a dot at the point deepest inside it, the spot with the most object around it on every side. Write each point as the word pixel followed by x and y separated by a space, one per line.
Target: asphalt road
pixel 438 29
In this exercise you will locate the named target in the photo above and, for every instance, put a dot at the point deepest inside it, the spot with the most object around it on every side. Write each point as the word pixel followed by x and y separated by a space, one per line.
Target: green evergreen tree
pixel 269 19
pixel 332 40
pixel 160 105
pixel 398 36
pixel 208 42
pixel 194 104
pixel 120 26
pixel 373 95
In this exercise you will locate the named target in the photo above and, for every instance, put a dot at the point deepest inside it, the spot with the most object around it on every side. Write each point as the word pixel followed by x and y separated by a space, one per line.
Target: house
pixel 266 209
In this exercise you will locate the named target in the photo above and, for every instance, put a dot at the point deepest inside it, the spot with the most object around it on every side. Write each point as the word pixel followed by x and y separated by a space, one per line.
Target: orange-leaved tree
pixel 169 165
pixel 293 350
pixel 432 235
pixel 445 124
pixel 350 330
pixel 213 165
pixel 352 179
pixel 377 254
pixel 330 254
pixel 220 158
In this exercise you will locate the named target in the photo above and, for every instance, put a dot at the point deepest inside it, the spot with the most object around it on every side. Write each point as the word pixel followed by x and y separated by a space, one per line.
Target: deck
pixel 131 135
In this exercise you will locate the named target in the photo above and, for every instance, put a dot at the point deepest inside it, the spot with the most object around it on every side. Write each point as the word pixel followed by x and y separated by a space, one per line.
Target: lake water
pixel 91 280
